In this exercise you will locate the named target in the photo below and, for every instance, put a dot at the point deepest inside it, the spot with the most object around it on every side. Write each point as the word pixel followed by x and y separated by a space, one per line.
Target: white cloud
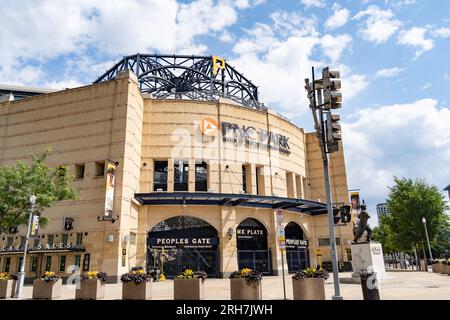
pixel 379 26
pixel 408 140
pixel 42 30
pixel 313 3
pixel 333 46
pixel 415 37
pixel 426 86
pixel 442 33
pixel 388 72
pixel 339 18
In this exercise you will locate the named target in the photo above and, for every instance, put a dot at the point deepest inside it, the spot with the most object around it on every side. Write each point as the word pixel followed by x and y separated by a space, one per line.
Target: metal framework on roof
pixel 226 199
pixel 187 77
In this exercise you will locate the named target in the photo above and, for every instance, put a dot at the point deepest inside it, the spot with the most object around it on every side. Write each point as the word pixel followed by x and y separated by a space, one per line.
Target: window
pixel 34 264
pixel 50 239
pixel 48 263
pixel 325 242
pixel 181 174
pixel 99 168
pixel 86 261
pixel 62 263
pixel 244 178
pixel 160 176
pixel 201 177
pixel 19 263
pixel 9 241
pixel 79 238
pixel 7 264
pixel 65 238
pixel 22 242
pixel 35 243
pixel 77 260
pixel 79 171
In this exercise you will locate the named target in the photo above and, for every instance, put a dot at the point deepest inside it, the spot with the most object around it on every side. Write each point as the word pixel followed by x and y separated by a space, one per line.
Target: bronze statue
pixel 360 220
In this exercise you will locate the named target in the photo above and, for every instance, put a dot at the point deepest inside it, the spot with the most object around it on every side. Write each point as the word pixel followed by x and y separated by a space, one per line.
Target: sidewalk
pixel 400 286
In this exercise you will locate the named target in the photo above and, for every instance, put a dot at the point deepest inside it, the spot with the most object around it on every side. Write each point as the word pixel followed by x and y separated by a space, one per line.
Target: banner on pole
pixel 109 193
pixel 34 232
pixel 281 238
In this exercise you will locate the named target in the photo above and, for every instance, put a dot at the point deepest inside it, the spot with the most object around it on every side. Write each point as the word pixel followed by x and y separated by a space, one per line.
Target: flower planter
pixel 7 288
pixel 435 267
pixel 309 289
pixel 240 289
pixel 140 291
pixel 188 289
pixel 90 289
pixel 47 289
pixel 443 268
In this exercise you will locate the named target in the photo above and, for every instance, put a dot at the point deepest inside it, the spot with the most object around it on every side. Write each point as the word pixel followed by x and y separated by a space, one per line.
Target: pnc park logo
pixel 209 127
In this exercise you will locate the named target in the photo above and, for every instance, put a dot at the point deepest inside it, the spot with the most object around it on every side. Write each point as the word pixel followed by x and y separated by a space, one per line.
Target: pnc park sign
pixel 248 135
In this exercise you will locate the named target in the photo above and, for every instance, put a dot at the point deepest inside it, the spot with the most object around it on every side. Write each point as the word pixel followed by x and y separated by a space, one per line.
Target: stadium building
pixel 178 164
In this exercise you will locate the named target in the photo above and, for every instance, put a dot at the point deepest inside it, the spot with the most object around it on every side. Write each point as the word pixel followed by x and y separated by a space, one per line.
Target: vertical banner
pixel 281 238
pixel 109 194
pixel 34 232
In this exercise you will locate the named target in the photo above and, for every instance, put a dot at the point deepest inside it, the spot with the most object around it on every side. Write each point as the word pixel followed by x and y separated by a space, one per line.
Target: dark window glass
pixel 79 238
pixel 62 263
pixel 79 171
pixel 201 177
pixel 258 172
pixel 34 264
pixel 50 239
pixel 65 238
pixel 160 176
pixel 77 260
pixel 100 169
pixel 324 242
pixel 48 263
pixel 7 264
pixel 244 178
pixel 181 175
pixel 9 241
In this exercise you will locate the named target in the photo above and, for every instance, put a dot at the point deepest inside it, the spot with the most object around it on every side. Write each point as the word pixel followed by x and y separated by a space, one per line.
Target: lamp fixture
pixel 230 233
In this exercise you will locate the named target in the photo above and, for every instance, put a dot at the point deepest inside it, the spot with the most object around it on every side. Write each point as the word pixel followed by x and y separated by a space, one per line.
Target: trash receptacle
pixel 369 285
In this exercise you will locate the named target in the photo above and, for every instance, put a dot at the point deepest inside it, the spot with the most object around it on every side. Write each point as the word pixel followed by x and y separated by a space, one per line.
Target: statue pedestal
pixel 368 256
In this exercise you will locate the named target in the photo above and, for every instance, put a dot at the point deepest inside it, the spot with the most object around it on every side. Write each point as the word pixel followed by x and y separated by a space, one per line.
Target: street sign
pixel 281 238
pixel 280 215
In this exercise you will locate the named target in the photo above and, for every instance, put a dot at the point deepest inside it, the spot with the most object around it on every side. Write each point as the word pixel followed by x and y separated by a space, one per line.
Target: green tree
pixel 19 181
pixel 408 202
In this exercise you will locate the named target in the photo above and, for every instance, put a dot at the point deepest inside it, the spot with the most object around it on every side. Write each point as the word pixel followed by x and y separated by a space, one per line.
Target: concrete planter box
pixel 140 291
pixel 309 289
pixel 90 289
pixel 240 289
pixel 7 288
pixel 435 267
pixel 446 269
pixel 443 268
pixel 47 289
pixel 188 289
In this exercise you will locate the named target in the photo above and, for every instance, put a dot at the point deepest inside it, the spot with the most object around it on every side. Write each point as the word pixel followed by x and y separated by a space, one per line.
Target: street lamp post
pixel 426 234
pixel 21 277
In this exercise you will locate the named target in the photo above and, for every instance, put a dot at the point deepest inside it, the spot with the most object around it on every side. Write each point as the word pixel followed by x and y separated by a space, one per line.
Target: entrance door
pixel 297 253
pixel 252 246
pixel 181 243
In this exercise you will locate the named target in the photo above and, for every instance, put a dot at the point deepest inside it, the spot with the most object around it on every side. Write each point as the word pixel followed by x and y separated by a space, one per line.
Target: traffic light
pixel 331 86
pixel 336 216
pixel 333 132
pixel 346 216
pixel 67 224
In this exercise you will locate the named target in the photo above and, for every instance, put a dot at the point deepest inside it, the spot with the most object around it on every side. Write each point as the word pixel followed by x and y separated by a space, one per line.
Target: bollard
pixel 369 285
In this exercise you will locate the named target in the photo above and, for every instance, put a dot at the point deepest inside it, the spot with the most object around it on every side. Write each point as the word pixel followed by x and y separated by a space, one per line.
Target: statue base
pixel 368 256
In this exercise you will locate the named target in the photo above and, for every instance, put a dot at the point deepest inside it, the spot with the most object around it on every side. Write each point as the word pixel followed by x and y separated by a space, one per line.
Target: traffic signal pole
pixel 321 134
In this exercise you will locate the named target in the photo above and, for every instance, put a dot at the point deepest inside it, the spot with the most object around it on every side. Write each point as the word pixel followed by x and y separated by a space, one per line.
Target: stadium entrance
pixel 297 254
pixel 183 242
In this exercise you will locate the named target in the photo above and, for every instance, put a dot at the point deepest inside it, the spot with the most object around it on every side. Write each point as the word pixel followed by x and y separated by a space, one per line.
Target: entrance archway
pixel 297 253
pixel 252 248
pixel 183 242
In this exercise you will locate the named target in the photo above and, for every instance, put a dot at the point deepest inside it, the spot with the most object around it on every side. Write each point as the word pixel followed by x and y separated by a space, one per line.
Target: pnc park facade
pixel 201 167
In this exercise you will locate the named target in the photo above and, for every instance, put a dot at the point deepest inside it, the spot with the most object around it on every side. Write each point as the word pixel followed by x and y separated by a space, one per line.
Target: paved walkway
pixel 399 286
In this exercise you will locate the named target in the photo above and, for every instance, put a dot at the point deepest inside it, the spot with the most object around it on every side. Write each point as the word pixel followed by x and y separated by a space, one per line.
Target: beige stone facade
pixel 112 120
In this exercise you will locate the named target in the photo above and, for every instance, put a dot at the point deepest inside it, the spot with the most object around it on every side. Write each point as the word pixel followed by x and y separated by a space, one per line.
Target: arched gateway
pixel 183 242
pixel 297 253
pixel 252 246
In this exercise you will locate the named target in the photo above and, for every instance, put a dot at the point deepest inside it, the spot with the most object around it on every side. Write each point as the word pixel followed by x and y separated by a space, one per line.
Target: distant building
pixel 448 189
pixel 382 210
pixel 11 92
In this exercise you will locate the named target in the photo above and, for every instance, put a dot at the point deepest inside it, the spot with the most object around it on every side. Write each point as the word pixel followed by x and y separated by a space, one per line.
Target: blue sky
pixel 393 58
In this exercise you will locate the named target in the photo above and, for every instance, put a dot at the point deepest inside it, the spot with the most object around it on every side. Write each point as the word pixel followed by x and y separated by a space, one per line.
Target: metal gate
pixel 174 261
pixel 259 260
pixel 297 260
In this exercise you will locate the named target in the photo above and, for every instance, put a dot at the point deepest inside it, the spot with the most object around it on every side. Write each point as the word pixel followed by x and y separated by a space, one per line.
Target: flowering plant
pixel 250 275
pixel 137 274
pixel 4 276
pixel 190 274
pixel 102 276
pixel 49 276
pixel 311 273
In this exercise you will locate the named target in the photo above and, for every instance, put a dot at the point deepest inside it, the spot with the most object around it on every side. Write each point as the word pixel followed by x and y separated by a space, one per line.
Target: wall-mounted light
pixel 126 238
pixel 110 238
pixel 227 168
pixel 230 233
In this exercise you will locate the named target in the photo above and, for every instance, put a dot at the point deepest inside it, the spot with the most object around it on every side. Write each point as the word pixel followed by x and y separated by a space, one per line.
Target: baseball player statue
pixel 360 219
